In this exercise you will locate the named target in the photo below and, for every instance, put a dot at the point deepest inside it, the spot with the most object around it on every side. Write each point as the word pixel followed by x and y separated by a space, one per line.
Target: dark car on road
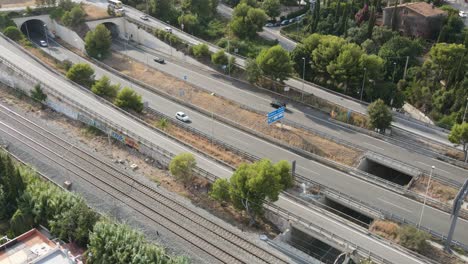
pixel 277 104
pixel 159 60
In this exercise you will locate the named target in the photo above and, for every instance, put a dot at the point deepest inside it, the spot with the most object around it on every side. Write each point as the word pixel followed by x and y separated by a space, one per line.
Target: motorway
pixel 410 125
pixel 242 93
pixel 387 200
pixel 25 63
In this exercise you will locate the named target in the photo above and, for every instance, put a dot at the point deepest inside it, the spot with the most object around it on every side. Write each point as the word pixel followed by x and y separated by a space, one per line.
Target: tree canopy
pixel 182 167
pixel 74 17
pixel 275 63
pixel 81 73
pixel 459 135
pixel 271 7
pixel 128 99
pixel 247 21
pixel 380 116
pixel 98 42
pixel 252 184
pixel 103 87
pixel 13 32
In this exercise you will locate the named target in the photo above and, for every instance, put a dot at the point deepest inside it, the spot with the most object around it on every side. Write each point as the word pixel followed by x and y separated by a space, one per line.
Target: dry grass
pixel 94 12
pixel 198 142
pixel 232 111
pixel 436 189
pixel 386 229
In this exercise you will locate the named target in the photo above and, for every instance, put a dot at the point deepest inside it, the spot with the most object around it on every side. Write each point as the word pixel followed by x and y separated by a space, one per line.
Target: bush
pixel 414 239
pixel 74 17
pixel 220 58
pixel 380 116
pixel 200 50
pixel 220 190
pixel 129 99
pixel 81 73
pixel 182 166
pixel 13 33
pixel 104 88
pixel 37 94
pixel 98 42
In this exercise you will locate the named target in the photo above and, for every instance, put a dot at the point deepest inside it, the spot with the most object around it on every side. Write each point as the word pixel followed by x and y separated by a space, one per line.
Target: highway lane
pixel 388 201
pixel 243 94
pixel 11 53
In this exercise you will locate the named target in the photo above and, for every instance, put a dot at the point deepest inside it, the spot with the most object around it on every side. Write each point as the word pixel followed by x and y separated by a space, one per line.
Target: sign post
pixel 275 115
pixel 454 215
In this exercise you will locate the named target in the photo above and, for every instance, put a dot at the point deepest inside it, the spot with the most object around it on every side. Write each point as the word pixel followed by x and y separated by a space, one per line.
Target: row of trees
pixel 126 98
pixel 26 202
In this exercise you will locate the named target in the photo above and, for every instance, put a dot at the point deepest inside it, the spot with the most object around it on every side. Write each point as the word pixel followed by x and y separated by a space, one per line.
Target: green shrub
pixel 200 50
pixel 414 239
pixel 13 33
pixel 129 99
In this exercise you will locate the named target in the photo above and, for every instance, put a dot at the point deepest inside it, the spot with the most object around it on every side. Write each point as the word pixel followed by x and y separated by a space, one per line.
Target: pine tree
pixel 370 25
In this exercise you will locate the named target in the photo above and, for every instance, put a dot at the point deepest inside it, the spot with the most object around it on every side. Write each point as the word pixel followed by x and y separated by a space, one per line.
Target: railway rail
pixel 222 244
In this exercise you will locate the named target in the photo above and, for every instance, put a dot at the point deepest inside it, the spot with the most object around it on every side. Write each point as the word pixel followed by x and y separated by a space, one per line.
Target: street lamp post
pixel 394 70
pixel 303 78
pixel 464 114
pixel 425 197
pixel 47 38
pixel 363 82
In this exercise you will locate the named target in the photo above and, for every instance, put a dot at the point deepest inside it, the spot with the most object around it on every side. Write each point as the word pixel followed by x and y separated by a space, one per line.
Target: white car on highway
pixel 182 117
pixel 43 43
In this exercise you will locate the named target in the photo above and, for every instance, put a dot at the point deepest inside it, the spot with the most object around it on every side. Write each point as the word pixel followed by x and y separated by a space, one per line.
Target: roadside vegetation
pixel 27 201
pixel 253 184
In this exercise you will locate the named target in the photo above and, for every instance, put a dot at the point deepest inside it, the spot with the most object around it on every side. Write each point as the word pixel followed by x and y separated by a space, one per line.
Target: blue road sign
pixel 276 115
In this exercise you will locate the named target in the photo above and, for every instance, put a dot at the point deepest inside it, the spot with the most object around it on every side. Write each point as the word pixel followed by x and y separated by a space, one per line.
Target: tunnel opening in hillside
pixel 347 213
pixel 35 30
pixel 113 28
pixel 313 247
pixel 385 172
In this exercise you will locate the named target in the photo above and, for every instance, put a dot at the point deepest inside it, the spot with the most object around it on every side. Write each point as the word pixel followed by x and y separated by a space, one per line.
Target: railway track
pixel 222 244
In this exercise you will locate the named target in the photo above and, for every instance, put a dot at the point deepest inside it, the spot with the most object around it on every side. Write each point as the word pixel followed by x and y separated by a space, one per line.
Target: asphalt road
pixel 22 61
pixel 241 93
pixel 387 200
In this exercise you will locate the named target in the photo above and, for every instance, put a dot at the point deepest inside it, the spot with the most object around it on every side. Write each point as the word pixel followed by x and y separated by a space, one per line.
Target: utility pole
pixel 454 215
pixel 303 79
pixel 464 114
pixel 406 67
pixel 425 197
pixel 394 70
pixel 47 38
pixel 363 82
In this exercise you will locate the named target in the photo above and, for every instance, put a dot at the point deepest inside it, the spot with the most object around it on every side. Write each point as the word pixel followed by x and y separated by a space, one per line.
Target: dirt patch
pixel 390 230
pixel 197 191
pixel 16 3
pixel 232 111
pixel 436 189
pixel 385 229
pixel 199 142
pixel 93 12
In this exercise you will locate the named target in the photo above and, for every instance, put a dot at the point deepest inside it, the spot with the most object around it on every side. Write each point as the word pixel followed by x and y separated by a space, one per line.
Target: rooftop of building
pixel 422 8
pixel 34 247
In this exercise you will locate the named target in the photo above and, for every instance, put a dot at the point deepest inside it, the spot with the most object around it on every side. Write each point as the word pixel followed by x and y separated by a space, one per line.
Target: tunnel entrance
pixel 113 28
pixel 312 246
pixel 348 213
pixel 35 30
pixel 385 172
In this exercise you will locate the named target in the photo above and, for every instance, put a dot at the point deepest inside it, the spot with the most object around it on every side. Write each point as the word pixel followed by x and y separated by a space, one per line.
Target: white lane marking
pixel 397 206
pixel 311 211
pixel 316 173
pixel 372 145
pixel 446 163
pixel 435 167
